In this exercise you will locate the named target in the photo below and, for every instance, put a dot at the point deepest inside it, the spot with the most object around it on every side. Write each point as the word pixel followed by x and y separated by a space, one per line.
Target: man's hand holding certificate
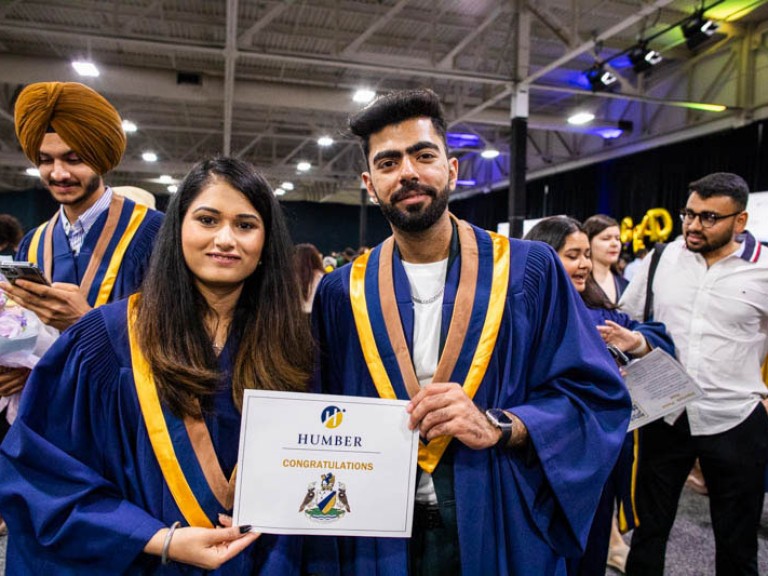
pixel 322 464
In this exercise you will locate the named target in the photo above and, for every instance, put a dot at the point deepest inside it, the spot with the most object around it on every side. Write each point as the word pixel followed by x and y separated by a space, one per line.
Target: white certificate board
pixel 658 385
pixel 325 465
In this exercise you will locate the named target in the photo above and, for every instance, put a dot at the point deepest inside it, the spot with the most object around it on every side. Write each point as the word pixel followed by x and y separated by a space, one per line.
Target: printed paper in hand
pixel 658 385
pixel 321 464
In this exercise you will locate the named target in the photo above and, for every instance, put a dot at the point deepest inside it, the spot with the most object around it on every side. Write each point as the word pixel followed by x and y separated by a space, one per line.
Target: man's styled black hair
pixel 396 107
pixel 722 184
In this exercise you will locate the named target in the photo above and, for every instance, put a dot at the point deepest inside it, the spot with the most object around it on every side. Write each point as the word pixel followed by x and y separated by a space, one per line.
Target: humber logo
pixel 332 416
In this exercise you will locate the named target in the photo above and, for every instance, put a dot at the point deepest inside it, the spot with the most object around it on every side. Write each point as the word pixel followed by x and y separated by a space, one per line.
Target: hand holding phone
pixel 23 271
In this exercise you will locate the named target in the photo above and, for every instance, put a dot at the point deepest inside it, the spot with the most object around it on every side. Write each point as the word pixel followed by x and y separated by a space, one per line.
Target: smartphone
pixel 22 270
pixel 621 358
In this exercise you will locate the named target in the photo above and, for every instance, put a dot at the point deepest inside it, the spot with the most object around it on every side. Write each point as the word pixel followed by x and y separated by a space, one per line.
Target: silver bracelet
pixel 167 544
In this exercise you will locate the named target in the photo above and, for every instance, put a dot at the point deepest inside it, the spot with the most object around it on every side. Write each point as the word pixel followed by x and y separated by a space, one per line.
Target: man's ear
pixel 369 186
pixel 453 172
pixel 741 222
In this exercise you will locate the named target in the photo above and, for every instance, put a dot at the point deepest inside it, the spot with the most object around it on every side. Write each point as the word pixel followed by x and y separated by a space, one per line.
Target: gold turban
pixel 82 117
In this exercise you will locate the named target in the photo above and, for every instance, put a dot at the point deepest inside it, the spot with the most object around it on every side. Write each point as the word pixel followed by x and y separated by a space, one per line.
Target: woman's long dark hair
pixel 307 260
pixel 554 231
pixel 275 344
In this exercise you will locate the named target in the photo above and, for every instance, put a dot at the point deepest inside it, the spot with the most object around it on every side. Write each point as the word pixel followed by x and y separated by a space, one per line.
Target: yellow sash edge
pixel 157 430
pixel 137 217
pixel 635 465
pixel 498 298
pixel 35 243
pixel 365 330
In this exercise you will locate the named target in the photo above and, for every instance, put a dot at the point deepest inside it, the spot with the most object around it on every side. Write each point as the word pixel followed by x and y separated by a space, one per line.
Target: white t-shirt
pixel 427 284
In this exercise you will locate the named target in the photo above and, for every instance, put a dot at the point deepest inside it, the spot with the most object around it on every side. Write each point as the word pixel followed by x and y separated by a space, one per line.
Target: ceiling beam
pixel 378 23
pixel 645 11
pixel 447 60
pixel 301 59
pixel 274 12
pixel 230 60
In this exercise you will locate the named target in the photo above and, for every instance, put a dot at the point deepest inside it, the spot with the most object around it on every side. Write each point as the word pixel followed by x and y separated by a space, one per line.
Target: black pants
pixel 733 464
pixel 434 544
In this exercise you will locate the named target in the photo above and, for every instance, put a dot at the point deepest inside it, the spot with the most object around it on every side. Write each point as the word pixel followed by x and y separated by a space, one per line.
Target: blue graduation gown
pixel 80 486
pixel 518 512
pixel 67 267
pixel 618 488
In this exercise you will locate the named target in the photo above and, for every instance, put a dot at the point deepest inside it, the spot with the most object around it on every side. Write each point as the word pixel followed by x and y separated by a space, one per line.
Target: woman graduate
pixel 123 454
pixel 635 339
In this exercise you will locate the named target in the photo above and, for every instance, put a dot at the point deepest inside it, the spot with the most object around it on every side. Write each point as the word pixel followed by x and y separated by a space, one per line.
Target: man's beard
pixel 415 218
pixel 711 244
pixel 93 184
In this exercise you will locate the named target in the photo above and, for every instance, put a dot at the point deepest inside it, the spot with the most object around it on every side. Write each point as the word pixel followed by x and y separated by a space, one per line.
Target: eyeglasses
pixel 707 219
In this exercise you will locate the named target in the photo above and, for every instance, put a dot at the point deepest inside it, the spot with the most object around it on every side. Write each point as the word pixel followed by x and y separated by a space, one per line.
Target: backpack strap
pixel 658 249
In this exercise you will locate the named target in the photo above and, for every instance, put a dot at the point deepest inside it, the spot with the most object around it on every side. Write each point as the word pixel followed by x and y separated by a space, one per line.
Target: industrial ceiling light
pixel 599 78
pixel 490 153
pixel 149 156
pixel 580 118
pixel 462 140
pixel 612 132
pixel 287 185
pixel 643 58
pixel 85 68
pixel 32 172
pixel 279 192
pixel 129 127
pixel 363 96
pixel 325 141
pixel 698 29
pixel 173 188
pixel 303 166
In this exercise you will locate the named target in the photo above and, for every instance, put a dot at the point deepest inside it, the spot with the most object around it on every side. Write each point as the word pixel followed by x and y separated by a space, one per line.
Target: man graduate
pixel 96 247
pixel 520 410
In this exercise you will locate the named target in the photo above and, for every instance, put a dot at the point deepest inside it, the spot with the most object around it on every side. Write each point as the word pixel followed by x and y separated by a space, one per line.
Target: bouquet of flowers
pixel 23 341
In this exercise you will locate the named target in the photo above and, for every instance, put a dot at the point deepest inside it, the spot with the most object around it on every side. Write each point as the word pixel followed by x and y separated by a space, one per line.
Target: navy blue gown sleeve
pixel 570 397
pixel 65 465
pixel 136 260
pixel 655 333
pixel 23 250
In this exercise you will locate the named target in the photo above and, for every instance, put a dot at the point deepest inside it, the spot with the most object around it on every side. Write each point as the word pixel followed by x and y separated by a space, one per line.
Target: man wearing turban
pixel 96 247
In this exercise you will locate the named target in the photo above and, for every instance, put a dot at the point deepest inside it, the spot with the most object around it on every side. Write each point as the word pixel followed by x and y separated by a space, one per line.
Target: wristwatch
pixel 500 420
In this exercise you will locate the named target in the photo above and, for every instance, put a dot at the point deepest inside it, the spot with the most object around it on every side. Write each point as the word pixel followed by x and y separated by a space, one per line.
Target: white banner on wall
pixel 757 207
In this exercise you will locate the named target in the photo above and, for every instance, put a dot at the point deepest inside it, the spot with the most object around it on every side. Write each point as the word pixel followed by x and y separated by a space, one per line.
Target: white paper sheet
pixel 322 464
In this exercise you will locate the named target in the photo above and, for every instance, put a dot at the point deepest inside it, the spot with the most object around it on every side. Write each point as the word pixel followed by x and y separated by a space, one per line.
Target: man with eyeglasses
pixel 711 291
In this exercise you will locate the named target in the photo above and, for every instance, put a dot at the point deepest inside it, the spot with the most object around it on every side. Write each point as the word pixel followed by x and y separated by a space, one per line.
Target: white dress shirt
pixel 718 319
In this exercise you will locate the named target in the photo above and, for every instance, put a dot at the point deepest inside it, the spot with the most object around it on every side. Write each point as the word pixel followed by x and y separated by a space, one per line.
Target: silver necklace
pixel 429 300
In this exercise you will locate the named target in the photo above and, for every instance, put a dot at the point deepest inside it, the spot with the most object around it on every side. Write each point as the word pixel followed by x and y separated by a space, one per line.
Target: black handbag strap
pixel 658 249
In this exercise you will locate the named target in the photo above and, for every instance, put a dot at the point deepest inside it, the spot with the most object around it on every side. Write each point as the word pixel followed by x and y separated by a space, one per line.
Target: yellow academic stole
pixel 193 490
pixel 480 300
pixel 105 276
